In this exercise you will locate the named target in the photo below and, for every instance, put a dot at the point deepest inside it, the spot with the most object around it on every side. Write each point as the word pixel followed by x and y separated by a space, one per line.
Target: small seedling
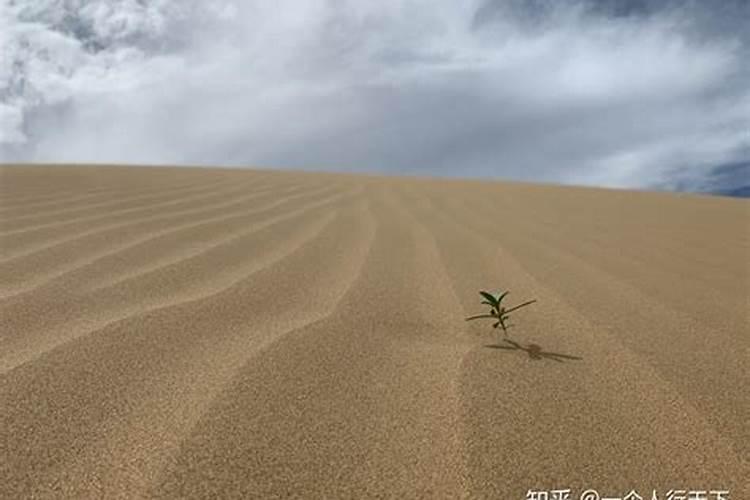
pixel 497 311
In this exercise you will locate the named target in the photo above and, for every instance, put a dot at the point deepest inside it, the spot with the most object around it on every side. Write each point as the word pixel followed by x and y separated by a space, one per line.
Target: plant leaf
pixel 490 297
pixel 500 298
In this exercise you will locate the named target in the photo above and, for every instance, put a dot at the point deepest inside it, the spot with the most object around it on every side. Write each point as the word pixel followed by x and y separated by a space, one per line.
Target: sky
pixel 637 94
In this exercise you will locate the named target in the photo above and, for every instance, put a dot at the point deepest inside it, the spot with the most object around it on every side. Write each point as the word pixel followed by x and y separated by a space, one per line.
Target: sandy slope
pixel 203 332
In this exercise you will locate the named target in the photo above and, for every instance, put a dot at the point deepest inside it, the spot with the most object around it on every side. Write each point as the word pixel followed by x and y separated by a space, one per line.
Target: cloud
pixel 625 94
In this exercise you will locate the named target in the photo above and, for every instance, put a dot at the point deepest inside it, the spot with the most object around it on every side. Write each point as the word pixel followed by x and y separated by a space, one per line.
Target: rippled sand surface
pixel 204 333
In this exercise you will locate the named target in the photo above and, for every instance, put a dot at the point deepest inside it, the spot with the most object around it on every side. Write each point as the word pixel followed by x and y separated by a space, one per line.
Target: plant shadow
pixel 534 351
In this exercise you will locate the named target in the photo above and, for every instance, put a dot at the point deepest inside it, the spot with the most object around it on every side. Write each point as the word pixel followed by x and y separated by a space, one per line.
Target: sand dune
pixel 204 333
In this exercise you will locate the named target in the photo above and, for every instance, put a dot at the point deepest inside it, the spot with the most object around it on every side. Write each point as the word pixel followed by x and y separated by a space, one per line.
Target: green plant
pixel 498 312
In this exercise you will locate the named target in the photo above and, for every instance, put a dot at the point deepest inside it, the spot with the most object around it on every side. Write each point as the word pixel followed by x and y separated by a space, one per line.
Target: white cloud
pixel 397 86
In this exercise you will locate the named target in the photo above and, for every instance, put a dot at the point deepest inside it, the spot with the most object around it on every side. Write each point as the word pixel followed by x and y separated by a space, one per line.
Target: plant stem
pixel 520 306
pixel 480 316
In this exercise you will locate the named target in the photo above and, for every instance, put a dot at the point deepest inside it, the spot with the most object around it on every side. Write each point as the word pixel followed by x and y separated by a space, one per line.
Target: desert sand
pixel 217 333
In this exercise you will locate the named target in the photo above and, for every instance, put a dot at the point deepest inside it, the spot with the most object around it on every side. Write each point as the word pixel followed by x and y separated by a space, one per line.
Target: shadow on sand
pixel 534 351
